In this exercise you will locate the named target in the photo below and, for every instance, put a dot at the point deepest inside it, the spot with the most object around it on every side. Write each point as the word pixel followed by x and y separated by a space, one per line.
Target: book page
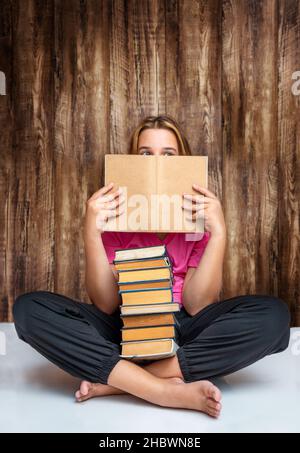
pixel 136 174
pixel 175 176
pixel 153 191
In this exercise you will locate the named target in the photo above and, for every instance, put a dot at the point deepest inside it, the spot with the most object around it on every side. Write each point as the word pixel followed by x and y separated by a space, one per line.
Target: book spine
pixel 144 289
pixel 124 315
pixel 145 305
pixel 147 269
pixel 146 281
pixel 164 256
pixel 147 327
pixel 142 341
pixel 138 248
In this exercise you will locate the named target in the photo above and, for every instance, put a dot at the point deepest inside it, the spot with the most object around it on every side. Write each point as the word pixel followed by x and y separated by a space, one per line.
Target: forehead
pixel 152 137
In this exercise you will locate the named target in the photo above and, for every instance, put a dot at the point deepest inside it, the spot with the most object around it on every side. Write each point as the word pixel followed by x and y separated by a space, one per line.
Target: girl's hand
pixel 100 207
pixel 206 206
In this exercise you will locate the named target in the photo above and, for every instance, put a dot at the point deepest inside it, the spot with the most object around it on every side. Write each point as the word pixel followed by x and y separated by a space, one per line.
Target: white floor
pixel 36 396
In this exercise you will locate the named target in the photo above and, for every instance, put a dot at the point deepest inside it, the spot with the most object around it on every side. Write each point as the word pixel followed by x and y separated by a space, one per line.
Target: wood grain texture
pixel 81 74
pixel 29 205
pixel 250 170
pixel 289 157
pixel 6 163
pixel 81 129
pixel 137 66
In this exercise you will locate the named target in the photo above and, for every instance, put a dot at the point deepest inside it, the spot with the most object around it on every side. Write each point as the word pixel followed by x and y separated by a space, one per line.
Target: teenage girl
pixel 217 337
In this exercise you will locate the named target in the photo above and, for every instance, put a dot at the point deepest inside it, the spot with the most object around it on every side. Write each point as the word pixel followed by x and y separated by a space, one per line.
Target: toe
pixel 85 387
pixel 84 391
pixel 213 404
pixel 213 413
pixel 214 393
pixel 77 394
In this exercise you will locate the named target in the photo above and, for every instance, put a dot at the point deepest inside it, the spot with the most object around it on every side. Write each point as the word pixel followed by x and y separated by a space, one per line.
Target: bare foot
pixel 89 390
pixel 202 396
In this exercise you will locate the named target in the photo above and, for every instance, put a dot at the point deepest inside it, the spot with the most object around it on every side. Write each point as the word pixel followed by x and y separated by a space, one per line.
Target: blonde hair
pixel 161 122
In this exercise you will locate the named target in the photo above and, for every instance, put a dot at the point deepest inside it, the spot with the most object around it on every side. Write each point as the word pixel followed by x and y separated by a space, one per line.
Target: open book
pixel 153 188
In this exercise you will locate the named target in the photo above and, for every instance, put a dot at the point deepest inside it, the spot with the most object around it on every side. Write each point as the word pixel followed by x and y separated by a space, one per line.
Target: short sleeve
pixel 198 250
pixel 111 242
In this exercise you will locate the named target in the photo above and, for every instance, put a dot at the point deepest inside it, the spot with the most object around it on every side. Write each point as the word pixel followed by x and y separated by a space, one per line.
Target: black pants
pixel 222 338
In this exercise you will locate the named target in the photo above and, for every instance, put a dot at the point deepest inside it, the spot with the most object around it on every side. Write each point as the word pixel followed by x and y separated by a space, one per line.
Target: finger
pixel 117 206
pixel 196 215
pixel 196 198
pixel 112 199
pixel 112 204
pixel 120 200
pixel 109 197
pixel 113 213
pixel 194 208
pixel 206 192
pixel 103 218
pixel 114 194
pixel 105 215
pixel 102 191
pixel 187 201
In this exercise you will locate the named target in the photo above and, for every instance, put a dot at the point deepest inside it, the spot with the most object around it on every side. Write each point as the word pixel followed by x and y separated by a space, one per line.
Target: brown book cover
pixel 151 350
pixel 142 275
pixel 159 319
pixel 147 296
pixel 141 254
pixel 145 285
pixel 148 333
pixel 142 264
pixel 153 191
pixel 129 310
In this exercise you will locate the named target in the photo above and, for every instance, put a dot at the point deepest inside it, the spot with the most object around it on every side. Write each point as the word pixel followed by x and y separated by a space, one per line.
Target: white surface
pixel 36 396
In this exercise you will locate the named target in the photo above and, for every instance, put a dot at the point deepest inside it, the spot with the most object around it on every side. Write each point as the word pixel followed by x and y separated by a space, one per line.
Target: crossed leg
pixel 83 341
pixel 127 377
pixel 223 338
pixel 231 335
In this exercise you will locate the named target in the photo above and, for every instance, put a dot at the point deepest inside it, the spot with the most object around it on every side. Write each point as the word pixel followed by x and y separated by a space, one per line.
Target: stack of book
pixel 145 279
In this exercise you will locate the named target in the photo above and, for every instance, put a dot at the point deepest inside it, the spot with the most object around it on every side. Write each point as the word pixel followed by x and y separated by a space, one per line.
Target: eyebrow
pixel 149 147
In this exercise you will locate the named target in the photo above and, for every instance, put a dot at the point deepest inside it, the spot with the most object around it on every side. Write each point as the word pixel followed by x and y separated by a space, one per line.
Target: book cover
pixel 153 188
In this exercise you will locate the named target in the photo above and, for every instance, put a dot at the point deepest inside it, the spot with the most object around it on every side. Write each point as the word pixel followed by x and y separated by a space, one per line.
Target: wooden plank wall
pixel 82 74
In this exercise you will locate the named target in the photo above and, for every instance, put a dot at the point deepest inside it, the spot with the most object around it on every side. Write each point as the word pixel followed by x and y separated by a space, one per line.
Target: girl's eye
pixel 148 153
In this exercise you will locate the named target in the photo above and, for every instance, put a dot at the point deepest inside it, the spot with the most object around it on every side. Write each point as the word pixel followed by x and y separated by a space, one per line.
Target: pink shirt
pixel 184 253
